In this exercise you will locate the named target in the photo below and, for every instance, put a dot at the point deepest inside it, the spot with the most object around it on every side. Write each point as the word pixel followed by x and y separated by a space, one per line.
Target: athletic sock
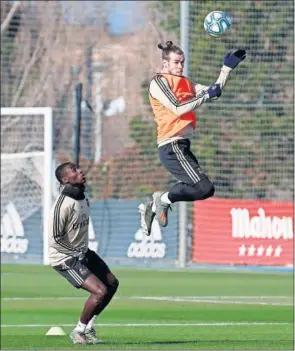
pixel 80 327
pixel 165 198
pixel 91 322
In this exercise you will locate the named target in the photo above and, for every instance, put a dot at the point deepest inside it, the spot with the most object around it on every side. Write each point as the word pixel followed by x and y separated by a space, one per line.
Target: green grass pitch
pixel 153 310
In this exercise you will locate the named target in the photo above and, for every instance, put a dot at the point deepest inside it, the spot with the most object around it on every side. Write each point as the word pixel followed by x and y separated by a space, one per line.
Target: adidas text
pixel 148 246
pixel 12 232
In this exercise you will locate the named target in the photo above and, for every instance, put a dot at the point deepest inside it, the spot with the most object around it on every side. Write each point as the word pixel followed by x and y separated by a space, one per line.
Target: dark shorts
pixel 178 159
pixel 77 271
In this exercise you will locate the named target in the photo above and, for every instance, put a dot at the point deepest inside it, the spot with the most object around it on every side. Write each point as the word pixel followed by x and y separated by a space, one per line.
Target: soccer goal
pixel 26 183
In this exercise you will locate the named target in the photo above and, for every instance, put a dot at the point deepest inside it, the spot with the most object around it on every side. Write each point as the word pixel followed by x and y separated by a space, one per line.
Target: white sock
pixel 165 198
pixel 91 322
pixel 80 327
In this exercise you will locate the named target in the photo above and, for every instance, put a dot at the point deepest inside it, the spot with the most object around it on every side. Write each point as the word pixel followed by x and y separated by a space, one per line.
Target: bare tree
pixel 37 62
pixel 5 23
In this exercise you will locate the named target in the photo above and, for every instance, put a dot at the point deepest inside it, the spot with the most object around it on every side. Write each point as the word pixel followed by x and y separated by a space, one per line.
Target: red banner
pixel 243 232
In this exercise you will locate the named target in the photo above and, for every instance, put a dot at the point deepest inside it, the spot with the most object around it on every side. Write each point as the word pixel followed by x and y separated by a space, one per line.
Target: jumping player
pixel 174 98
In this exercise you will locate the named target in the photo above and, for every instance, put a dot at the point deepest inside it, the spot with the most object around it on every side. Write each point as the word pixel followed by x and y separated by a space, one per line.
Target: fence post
pixel 77 123
pixel 184 38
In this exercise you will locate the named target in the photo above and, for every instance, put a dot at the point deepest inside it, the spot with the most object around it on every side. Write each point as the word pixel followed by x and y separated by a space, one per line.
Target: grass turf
pixel 204 307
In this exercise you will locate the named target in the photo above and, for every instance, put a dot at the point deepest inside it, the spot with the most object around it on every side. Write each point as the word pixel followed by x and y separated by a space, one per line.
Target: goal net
pixel 26 183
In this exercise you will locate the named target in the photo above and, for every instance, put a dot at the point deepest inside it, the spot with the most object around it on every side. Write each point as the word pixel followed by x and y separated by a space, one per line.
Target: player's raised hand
pixel 231 60
pixel 214 91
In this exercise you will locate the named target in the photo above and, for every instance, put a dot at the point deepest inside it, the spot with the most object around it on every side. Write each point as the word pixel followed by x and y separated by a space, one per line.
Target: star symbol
pixel 260 250
pixel 269 251
pixel 251 250
pixel 278 251
pixel 242 249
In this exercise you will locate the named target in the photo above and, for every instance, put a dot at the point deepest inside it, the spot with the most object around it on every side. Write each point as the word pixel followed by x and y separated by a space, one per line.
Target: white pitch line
pixel 227 302
pixel 42 298
pixel 221 324
pixel 238 300
pixel 237 297
pixel 16 298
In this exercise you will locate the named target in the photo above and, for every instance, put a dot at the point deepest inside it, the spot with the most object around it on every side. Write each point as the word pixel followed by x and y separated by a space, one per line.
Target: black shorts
pixel 77 271
pixel 178 159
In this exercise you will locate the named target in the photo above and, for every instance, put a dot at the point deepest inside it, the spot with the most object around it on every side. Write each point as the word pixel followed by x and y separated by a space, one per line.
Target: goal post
pixel 26 182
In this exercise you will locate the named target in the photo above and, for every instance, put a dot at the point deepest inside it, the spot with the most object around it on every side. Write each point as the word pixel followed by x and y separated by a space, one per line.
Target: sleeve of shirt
pixel 201 88
pixel 60 221
pixel 223 76
pixel 160 90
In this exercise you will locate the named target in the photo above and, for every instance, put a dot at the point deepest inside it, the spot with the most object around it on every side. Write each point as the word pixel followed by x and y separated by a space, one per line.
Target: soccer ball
pixel 217 23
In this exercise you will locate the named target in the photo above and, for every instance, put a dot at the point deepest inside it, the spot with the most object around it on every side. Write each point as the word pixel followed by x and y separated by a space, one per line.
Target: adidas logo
pixel 148 246
pixel 12 232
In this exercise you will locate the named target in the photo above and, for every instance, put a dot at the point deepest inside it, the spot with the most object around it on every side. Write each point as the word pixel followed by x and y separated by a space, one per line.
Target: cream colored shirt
pixel 68 229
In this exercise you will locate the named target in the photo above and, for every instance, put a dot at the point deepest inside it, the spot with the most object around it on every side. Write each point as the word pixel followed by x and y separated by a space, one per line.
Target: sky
pixel 122 16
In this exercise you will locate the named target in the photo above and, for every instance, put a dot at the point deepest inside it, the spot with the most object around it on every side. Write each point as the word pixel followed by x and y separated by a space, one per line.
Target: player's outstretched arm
pixel 160 90
pixel 231 61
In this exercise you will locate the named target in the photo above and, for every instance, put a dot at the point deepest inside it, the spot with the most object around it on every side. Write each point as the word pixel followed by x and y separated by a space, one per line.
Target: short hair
pixel 60 170
pixel 168 48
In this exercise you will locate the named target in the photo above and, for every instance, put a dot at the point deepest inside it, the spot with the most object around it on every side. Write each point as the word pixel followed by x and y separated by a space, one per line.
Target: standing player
pixel 69 254
pixel 174 98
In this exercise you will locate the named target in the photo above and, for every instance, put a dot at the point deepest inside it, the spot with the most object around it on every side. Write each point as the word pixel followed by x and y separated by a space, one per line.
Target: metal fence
pixel 244 141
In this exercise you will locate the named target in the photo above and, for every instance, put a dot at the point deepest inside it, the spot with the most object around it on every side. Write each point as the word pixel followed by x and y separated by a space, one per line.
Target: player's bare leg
pixel 97 291
pixel 112 286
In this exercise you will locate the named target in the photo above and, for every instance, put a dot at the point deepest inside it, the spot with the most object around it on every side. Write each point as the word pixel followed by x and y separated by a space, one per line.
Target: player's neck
pixel 75 191
pixel 163 71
